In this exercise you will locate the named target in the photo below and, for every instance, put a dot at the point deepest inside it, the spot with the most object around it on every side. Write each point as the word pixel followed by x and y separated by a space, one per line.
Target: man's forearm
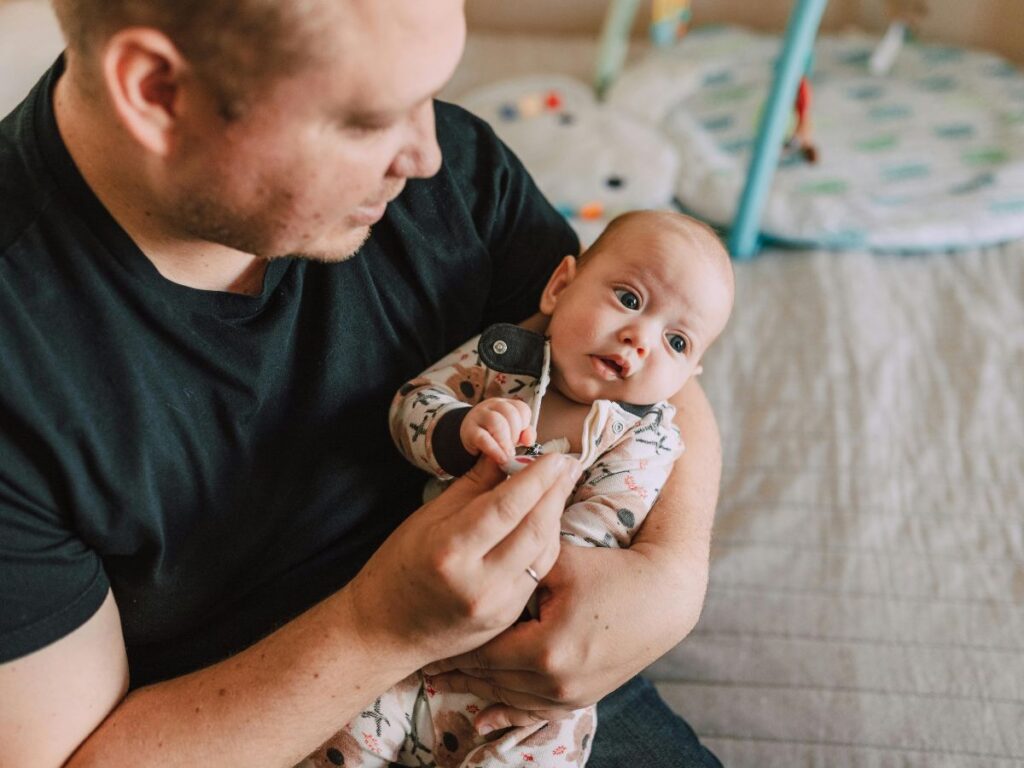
pixel 270 705
pixel 677 532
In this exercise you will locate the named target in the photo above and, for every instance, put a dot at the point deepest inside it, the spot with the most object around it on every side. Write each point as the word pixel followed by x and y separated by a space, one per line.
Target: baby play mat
pixel 591 161
pixel 929 156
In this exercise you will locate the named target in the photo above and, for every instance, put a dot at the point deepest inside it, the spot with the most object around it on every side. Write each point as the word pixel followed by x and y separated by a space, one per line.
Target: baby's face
pixel 633 322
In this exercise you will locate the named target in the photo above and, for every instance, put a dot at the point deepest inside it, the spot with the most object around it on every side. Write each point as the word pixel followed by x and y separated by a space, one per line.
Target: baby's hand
pixel 495 427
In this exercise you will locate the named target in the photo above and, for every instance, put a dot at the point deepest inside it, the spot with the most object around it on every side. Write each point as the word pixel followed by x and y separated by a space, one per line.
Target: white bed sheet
pixel 867 580
pixel 866 605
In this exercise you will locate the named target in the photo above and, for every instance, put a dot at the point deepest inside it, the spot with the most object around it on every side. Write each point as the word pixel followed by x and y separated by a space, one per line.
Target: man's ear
pixel 143 73
pixel 564 274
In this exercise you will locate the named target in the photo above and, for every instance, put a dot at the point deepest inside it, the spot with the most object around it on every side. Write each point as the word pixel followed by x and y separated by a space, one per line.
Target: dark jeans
pixel 636 729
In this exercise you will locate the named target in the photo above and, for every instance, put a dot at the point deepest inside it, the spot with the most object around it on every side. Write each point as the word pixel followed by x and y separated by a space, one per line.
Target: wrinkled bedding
pixel 866 604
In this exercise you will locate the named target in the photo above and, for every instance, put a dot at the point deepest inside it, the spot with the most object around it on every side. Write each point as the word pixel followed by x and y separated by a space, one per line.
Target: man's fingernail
pixel 431 669
pixel 483 730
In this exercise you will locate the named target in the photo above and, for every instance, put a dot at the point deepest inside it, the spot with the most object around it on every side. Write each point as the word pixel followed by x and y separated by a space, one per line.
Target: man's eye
pixel 368 127
pixel 366 130
pixel 677 342
pixel 628 299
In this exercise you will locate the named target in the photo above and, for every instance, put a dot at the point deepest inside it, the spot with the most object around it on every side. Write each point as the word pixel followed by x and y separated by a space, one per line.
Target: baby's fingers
pixel 528 436
pixel 517 415
pixel 495 422
pixel 520 417
pixel 489 447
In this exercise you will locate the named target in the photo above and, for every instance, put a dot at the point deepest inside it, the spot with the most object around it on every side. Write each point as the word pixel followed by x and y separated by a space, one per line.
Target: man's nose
pixel 420 156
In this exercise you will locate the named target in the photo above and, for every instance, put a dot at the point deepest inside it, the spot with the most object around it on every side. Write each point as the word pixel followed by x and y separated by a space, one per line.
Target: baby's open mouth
pixel 612 366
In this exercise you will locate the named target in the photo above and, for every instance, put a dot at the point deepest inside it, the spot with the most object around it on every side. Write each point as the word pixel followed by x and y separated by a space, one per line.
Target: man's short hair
pixel 234 45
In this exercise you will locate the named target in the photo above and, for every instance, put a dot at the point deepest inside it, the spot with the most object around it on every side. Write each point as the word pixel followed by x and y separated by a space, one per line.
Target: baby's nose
pixel 633 337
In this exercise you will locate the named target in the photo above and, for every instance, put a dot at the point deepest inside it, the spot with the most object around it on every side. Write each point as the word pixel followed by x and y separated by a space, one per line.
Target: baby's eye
pixel 628 299
pixel 677 342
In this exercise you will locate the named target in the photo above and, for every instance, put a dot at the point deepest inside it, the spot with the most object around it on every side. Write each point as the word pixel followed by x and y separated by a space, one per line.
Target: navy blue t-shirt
pixel 221 461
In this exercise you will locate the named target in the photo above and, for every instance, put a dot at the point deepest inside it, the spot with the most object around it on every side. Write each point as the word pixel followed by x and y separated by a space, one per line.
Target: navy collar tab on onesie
pixel 507 348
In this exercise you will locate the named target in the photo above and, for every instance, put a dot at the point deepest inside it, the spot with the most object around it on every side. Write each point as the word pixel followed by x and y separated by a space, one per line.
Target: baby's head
pixel 632 317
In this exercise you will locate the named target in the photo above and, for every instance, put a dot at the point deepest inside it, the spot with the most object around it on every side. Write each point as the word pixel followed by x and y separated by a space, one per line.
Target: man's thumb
pixel 484 476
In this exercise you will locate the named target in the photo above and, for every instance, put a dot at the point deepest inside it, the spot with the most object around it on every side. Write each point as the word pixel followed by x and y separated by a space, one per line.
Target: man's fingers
pixel 499 716
pixel 492 517
pixel 514 680
pixel 535 541
pixel 456 682
pixel 515 649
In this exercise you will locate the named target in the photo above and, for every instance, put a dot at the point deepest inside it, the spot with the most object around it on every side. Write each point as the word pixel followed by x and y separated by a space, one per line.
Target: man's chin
pixel 333 250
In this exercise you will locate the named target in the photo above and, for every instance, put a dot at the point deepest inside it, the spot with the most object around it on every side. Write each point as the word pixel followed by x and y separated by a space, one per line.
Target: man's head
pixel 274 128
pixel 631 319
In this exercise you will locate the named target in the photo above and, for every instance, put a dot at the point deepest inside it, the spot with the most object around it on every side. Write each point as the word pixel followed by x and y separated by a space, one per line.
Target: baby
pixel 628 323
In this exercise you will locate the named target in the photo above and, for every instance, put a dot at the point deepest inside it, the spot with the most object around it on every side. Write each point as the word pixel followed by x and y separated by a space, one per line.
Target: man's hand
pixel 453 574
pixel 592 635
pixel 495 427
pixel 605 614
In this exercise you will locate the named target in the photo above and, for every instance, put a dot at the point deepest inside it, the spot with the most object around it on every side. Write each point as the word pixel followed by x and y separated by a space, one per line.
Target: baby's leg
pixel 558 744
pixel 453 733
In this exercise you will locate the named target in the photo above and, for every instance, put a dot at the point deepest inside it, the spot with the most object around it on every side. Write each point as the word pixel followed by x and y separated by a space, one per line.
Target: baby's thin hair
pixel 688 225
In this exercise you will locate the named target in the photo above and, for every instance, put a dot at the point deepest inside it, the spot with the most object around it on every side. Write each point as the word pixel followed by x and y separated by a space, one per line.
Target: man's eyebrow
pixel 349 115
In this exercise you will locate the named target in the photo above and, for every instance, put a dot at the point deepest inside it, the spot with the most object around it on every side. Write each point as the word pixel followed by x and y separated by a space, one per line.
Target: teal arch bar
pixel 801 30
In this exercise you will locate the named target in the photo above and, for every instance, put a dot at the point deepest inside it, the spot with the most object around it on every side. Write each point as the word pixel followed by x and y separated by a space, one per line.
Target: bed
pixel 866 602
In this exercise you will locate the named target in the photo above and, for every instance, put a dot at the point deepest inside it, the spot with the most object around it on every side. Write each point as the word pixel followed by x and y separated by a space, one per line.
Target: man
pixel 199 505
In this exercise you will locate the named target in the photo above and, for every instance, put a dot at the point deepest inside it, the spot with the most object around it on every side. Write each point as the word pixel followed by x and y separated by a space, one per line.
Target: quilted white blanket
pixel 866 605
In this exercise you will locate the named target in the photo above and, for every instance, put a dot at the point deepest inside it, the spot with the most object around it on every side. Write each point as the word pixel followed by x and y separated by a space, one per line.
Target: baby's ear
pixel 560 279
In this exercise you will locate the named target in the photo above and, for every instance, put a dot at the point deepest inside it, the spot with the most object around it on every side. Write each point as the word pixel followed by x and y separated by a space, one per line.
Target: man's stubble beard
pixel 329 256
pixel 203 219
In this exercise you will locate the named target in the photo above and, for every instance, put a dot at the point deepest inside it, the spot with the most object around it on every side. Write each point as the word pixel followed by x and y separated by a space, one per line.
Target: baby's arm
pixel 441 422
pixel 431 407
pixel 617 491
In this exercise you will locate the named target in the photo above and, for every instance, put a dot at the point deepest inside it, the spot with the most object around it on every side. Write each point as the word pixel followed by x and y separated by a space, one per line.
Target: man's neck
pixel 187 261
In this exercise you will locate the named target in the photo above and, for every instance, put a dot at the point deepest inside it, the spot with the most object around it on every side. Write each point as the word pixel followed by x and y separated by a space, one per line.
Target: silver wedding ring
pixel 532 574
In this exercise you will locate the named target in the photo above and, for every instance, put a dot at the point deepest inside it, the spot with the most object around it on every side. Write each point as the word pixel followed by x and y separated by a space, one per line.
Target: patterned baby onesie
pixel 628 452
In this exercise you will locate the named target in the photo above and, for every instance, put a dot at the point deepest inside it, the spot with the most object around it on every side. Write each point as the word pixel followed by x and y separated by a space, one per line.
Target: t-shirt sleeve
pixel 528 240
pixel 51 582
pixel 525 236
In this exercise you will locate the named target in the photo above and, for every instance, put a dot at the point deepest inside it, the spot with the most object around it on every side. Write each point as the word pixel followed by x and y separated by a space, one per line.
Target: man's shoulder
pixel 22 195
pixel 468 143
pixel 454 121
